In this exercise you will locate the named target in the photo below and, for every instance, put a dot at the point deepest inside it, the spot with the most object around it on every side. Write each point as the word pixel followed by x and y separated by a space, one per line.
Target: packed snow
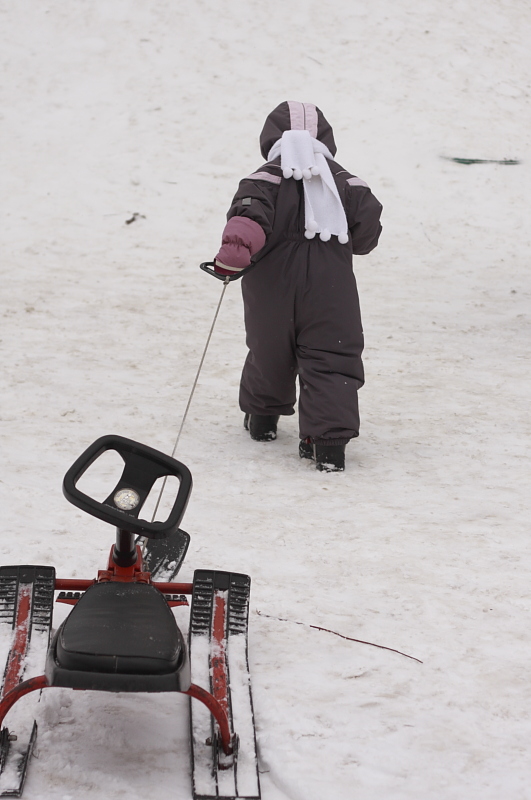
pixel 125 130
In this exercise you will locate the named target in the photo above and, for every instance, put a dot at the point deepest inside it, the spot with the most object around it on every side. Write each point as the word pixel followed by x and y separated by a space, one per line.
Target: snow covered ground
pixel 111 108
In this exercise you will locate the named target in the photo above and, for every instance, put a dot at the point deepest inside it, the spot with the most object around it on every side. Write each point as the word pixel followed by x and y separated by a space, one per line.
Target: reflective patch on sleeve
pixel 246 201
pixel 357 182
pixel 264 176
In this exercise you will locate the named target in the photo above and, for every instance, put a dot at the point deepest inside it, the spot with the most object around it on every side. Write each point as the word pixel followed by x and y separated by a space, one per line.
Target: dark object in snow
pixel 135 216
pixel 506 161
pixel 341 635
pixel 140 647
pixel 328 458
pixel 263 428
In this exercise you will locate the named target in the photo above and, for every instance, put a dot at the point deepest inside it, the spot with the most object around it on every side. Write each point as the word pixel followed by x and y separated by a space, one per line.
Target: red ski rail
pixel 15 662
pixel 219 659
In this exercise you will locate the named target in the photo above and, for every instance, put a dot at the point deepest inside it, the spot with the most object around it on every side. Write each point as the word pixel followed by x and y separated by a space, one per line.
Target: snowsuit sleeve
pixel 249 221
pixel 363 216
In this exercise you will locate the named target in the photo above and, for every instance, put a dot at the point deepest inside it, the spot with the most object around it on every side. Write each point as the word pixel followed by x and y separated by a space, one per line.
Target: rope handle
pixel 226 280
pixel 206 267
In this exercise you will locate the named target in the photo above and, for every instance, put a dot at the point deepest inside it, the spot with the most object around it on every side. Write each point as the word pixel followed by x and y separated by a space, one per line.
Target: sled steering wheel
pixel 142 467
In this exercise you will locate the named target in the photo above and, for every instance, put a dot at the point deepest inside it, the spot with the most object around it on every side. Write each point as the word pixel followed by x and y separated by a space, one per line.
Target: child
pixel 299 218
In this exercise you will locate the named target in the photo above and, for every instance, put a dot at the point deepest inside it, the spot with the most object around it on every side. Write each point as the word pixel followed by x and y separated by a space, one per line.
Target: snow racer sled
pixel 121 635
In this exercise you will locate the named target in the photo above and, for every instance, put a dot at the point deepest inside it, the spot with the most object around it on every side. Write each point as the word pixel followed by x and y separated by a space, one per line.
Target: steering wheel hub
pixel 126 499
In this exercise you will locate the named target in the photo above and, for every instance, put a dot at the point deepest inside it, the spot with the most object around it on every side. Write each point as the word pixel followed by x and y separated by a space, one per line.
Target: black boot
pixel 262 427
pixel 330 457
pixel 327 457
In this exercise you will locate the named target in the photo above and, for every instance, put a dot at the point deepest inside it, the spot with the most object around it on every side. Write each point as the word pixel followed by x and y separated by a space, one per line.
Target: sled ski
pixel 26 603
pixel 163 557
pixel 218 657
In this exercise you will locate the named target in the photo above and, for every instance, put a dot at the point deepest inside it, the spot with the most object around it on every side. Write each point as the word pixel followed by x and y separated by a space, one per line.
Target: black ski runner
pixel 26 606
pixel 163 557
pixel 219 663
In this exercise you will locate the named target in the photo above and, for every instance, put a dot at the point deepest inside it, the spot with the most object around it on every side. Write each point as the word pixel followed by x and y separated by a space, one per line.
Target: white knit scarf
pixel 304 158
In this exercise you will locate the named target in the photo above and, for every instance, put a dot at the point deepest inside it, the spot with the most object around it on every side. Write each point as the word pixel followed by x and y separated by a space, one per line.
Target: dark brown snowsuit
pixel 302 314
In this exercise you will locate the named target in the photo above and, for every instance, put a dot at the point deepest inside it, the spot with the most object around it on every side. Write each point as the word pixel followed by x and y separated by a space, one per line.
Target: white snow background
pixel 111 108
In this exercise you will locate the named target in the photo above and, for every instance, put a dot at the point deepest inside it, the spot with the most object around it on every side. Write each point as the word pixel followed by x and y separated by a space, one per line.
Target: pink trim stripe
pixel 357 182
pixel 264 176
pixel 311 119
pixel 296 114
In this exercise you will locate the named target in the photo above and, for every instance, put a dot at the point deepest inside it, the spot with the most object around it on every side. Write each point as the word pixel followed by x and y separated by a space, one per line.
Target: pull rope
pixel 225 284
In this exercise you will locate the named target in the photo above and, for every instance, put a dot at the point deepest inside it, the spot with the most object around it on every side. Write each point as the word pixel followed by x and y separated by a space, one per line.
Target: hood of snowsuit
pixel 294 116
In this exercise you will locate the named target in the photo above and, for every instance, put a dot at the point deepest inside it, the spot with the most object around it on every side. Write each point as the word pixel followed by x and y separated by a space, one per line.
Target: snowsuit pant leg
pixel 268 383
pixel 329 346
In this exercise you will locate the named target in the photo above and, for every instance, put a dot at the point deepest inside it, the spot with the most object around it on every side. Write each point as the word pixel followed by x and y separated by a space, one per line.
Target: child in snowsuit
pixel 300 218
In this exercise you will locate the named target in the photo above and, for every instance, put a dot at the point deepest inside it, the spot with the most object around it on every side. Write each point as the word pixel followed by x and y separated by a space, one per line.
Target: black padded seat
pixel 120 627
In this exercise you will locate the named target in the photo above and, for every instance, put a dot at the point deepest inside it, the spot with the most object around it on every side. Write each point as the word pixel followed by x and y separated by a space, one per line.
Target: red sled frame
pixel 216 703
